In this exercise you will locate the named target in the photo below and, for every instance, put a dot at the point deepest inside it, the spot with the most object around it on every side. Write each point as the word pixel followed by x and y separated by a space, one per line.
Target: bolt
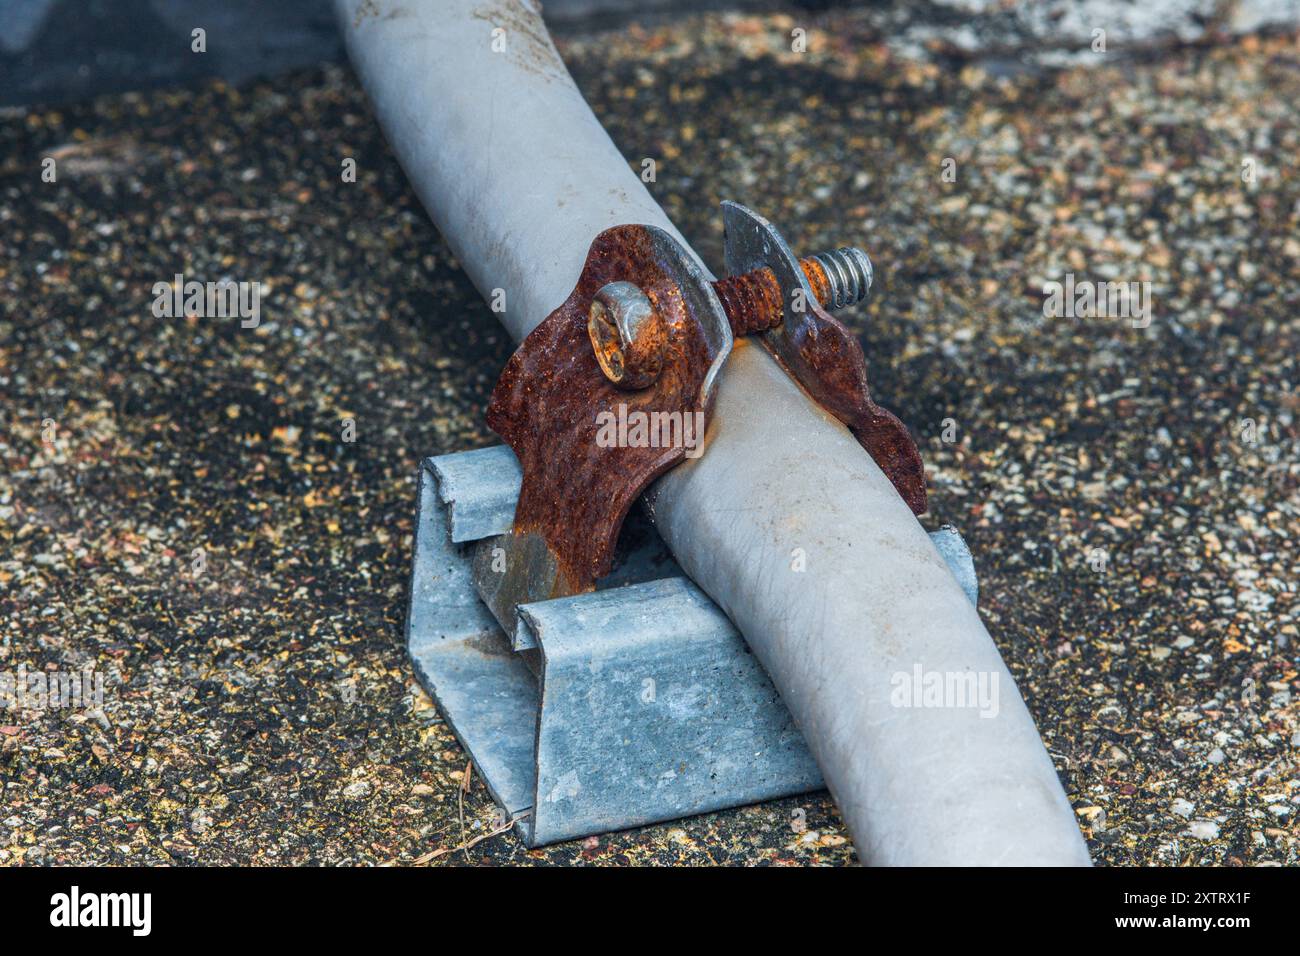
pixel 629 336
pixel 753 303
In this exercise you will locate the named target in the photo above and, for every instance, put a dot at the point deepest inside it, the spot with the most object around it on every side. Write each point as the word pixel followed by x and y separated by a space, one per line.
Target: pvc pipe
pixel 785 521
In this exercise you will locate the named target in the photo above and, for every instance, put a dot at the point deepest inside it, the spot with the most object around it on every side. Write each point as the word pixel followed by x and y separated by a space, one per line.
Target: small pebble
pixel 358 790
pixel 1203 830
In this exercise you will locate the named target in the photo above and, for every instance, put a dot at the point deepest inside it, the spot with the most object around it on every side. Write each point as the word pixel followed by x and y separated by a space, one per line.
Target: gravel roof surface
pixel 179 508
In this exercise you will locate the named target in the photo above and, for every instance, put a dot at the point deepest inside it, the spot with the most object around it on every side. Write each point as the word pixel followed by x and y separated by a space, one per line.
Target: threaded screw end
pixel 848 274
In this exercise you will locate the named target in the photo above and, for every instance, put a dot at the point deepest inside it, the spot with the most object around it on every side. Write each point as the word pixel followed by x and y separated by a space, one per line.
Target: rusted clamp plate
pixel 821 354
pixel 555 408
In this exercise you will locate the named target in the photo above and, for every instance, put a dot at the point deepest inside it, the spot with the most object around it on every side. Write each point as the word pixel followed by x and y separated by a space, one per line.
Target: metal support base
pixel 636 703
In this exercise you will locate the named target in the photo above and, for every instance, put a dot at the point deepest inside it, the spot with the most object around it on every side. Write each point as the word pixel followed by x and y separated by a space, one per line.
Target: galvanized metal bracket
pixel 632 704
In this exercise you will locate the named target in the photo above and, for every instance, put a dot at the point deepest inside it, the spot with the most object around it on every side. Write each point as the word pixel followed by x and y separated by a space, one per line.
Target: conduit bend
pixel 519 177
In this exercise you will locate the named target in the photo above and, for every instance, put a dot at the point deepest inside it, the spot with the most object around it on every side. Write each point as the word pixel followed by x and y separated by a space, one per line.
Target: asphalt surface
pixel 179 507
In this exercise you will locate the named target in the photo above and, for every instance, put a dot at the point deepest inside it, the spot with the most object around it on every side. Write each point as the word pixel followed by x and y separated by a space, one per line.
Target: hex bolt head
pixel 628 335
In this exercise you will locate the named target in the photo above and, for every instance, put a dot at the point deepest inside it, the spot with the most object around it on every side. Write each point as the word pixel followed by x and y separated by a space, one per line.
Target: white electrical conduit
pixel 519 176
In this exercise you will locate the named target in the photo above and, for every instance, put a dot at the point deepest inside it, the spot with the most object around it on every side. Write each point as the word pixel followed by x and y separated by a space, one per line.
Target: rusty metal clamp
pixel 614 388
pixel 815 348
